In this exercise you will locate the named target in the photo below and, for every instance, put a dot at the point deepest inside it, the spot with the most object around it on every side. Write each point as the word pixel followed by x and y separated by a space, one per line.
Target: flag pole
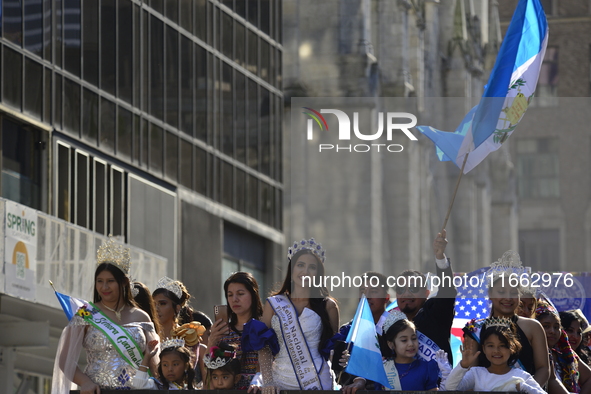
pixel 51 283
pixel 451 204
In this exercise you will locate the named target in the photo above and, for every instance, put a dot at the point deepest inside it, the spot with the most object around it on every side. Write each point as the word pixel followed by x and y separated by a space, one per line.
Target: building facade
pixel 157 121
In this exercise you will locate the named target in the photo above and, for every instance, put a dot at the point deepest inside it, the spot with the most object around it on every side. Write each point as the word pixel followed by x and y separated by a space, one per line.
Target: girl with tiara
pixel 304 317
pixel 112 330
pixel 504 294
pixel 223 368
pixel 175 369
pixel 497 352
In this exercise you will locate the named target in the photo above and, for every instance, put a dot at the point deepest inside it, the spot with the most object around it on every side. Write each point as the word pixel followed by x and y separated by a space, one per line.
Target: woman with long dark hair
pixel 304 317
pixel 112 329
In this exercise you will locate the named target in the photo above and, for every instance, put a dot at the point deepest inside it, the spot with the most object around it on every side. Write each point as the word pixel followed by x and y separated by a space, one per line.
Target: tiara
pixel 172 342
pixel 171 285
pixel 114 253
pixel 508 264
pixel 217 358
pixel 497 321
pixel 310 244
pixel 134 290
pixel 394 316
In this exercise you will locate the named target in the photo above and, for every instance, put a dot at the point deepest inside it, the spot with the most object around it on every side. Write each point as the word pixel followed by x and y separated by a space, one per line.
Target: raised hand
pixel 469 353
pixel 439 245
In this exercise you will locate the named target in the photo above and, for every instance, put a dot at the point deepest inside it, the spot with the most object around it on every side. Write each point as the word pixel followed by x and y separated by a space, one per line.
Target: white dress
pixel 479 379
pixel 283 373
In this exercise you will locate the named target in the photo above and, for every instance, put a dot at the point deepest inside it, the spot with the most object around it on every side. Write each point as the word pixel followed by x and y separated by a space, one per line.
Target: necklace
pixel 407 370
pixel 117 313
pixel 178 386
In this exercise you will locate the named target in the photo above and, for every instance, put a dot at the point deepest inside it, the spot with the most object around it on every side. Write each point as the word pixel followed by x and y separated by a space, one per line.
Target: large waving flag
pixel 510 88
pixel 366 358
pixel 70 305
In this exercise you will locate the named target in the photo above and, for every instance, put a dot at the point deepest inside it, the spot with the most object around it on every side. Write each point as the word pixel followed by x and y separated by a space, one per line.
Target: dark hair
pixel 382 279
pixel 318 295
pixel 248 280
pixel 566 319
pixel 201 318
pixel 186 356
pixel 122 282
pixel 506 335
pixel 185 310
pixel 144 300
pixel 419 278
pixel 391 335
pixel 233 367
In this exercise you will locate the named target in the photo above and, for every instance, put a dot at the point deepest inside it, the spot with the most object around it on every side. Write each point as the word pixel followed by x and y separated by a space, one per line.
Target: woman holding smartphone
pixel 243 303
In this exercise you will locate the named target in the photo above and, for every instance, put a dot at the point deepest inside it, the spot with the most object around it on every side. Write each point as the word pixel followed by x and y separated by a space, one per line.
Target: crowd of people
pixel 137 339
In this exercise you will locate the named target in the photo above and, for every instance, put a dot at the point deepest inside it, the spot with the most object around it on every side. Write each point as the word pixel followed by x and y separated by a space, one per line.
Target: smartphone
pixel 220 312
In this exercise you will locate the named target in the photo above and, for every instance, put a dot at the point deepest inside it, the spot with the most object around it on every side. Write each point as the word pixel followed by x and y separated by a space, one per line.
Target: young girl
pixel 404 369
pixel 498 352
pixel 175 369
pixel 223 368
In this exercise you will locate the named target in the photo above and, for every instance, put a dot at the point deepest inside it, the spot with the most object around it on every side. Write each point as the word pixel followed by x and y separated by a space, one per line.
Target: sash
pixel 392 374
pixel 121 340
pixel 427 347
pixel 295 343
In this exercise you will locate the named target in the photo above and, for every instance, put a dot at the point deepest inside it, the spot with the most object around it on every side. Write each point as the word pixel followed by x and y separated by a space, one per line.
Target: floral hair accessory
pixel 471 326
pixel 114 253
pixel 394 316
pixel 172 342
pixel 310 244
pixel 190 332
pixel 544 308
pixel 217 358
pixel 171 285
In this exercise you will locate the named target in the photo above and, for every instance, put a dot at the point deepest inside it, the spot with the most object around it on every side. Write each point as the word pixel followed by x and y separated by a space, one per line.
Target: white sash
pixel 392 374
pixel 121 340
pixel 427 348
pixel 295 343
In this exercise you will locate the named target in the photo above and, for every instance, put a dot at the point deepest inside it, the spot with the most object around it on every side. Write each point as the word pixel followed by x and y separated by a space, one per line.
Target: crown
pixel 217 358
pixel 497 321
pixel 171 285
pixel 394 316
pixel 114 253
pixel 310 244
pixel 172 342
pixel 508 264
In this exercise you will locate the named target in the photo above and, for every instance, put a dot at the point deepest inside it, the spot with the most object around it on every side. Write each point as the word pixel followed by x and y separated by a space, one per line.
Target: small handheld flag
pixel 70 305
pixel 366 358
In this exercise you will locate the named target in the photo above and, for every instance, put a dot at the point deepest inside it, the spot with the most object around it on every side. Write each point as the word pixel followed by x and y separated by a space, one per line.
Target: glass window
pixel 157 5
pixel 12 78
pixel 156 150
pixel 227 108
pixel 90 113
pixel 227 184
pixel 201 19
pixel 117 202
pixel 227 32
pixel 172 76
pixel 538 168
pixel 187 87
pixel 172 156
pixel 63 182
pixel 547 89
pixel 47 28
pixel 145 64
pixel 253 125
pixel 172 10
pixel 253 12
pixel 240 53
pixel 108 45
pixel 12 20
pixel 72 39
pixel 200 171
pixel 125 49
pixel 72 106
pixel 34 26
pixel 186 15
pixel 240 118
pixel 90 41
pixel 201 93
pixel 229 3
pixel 266 120
pixel 265 8
pixel 22 149
pixel 48 100
pixel 241 8
pixel 138 64
pixel 186 167
pixel 264 65
pixel 253 196
pixel 108 116
pixel 253 54
pixel 58 100
pixel 267 203
pixel 247 249
pixel 81 180
pixel 100 196
pixel 240 190
pixel 136 146
pixel 33 88
pixel 156 69
pixel 144 141
pixel 124 132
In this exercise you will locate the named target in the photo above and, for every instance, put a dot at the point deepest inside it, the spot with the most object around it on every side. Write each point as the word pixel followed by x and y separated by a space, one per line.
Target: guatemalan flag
pixel 366 358
pixel 509 91
pixel 70 305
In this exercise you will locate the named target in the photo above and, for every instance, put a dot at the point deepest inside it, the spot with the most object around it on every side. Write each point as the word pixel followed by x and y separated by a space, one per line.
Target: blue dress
pixel 420 375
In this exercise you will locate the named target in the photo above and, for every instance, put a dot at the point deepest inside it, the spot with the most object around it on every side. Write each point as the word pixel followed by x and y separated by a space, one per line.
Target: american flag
pixel 472 300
